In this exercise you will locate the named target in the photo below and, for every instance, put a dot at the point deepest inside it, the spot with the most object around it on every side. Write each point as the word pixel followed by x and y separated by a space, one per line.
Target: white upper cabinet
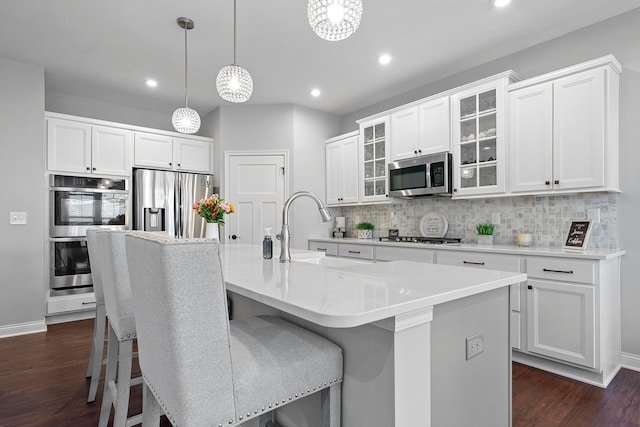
pixel 563 130
pixel 79 147
pixel 193 155
pixel 373 158
pixel 342 169
pixel 479 138
pixel 164 152
pixel 154 151
pixel 421 129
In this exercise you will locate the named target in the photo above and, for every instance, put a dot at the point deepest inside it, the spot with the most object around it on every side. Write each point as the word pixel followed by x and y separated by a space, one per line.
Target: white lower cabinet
pixel 561 321
pixel 386 253
pixel 573 317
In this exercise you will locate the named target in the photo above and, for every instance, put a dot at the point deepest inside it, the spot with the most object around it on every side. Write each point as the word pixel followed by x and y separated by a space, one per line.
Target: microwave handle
pixel 428 172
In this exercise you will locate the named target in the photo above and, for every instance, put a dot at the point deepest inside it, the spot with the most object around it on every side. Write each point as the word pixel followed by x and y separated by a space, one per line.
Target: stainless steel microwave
pixel 421 176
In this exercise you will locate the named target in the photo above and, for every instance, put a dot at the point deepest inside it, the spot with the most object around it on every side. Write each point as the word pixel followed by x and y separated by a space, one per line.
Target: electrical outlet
pixel 475 345
pixel 18 218
pixel 394 218
pixel 495 218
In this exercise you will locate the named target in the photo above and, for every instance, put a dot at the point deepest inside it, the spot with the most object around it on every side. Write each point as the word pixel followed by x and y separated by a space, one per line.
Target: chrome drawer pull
pixel 87 303
pixel 474 263
pixel 354 252
pixel 558 271
pixel 321 249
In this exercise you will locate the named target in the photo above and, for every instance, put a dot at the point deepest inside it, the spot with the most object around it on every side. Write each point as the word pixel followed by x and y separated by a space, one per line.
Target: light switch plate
pixel 17 218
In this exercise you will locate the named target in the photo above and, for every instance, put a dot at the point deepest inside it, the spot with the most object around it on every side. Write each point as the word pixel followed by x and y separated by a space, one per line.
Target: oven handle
pixel 68 239
pixel 89 190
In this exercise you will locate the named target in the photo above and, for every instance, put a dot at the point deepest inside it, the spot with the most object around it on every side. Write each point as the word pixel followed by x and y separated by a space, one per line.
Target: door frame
pixel 229 154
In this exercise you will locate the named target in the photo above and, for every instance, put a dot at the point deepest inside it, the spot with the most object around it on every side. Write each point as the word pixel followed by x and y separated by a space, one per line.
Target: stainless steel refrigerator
pixel 162 201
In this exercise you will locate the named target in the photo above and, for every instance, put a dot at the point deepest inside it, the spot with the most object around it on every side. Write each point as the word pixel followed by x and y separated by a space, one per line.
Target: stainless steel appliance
pixel 423 240
pixel 75 204
pixel 162 201
pixel 421 176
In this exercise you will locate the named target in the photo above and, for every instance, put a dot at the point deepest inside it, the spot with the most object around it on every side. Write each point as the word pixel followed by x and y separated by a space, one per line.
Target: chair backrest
pixel 115 282
pixel 183 329
pixel 94 261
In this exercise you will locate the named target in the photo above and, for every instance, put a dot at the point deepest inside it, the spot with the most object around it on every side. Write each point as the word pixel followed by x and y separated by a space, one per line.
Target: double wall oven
pixel 76 204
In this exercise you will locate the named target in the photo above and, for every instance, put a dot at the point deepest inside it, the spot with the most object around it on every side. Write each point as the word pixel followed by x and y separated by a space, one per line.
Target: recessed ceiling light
pixel 151 83
pixel 384 59
pixel 315 92
pixel 501 3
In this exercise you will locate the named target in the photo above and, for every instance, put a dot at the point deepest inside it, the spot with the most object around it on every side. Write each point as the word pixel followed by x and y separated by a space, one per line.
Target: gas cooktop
pixel 424 240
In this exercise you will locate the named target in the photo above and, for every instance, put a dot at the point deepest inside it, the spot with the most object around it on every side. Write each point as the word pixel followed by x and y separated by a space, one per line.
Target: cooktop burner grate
pixel 424 240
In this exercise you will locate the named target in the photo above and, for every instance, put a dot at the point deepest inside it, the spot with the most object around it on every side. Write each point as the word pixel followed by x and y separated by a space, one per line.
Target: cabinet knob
pixel 415 151
pixel 455 190
pixel 386 195
pixel 178 164
pixel 547 183
pixel 94 168
pixel 529 287
pixel 420 151
pixel 88 168
pixel 556 182
pixel 170 164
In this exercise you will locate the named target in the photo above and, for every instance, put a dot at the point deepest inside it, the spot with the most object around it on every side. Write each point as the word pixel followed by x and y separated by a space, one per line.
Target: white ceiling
pixel 105 50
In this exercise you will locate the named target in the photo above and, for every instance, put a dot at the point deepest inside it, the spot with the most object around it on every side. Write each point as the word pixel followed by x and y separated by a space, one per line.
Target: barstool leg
pixel 331 401
pixel 109 379
pixel 151 410
pixel 123 385
pixel 97 350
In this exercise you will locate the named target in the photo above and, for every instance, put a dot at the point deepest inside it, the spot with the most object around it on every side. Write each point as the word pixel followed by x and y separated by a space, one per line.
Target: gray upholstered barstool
pixel 199 368
pixel 97 343
pixel 122 328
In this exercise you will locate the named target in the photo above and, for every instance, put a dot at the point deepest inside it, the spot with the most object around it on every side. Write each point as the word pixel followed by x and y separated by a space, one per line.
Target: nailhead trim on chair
pixel 241 417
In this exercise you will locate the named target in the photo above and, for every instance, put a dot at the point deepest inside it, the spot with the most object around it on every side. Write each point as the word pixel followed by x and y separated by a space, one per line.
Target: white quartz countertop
pixel 340 293
pixel 496 249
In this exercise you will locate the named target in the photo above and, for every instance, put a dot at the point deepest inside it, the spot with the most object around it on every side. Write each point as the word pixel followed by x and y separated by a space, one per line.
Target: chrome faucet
pixel 285 236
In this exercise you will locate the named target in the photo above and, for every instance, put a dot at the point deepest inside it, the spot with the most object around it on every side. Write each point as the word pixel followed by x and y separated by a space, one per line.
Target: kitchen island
pixel 423 345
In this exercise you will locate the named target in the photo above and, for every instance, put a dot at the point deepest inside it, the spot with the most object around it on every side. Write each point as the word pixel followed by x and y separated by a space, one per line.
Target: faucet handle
pixel 279 236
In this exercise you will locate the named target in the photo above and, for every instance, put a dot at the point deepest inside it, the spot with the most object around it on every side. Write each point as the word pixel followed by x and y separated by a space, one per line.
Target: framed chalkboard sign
pixel 578 235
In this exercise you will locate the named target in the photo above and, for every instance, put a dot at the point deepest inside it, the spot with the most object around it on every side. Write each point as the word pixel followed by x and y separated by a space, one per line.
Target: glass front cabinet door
pixel 374 146
pixel 479 138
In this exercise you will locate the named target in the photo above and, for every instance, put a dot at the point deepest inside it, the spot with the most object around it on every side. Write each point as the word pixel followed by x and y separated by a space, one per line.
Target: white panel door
pixel 334 167
pixel 68 146
pixel 257 190
pixel 434 120
pixel 579 130
pixel 561 321
pixel 192 155
pixel 531 138
pixel 404 134
pixel 111 150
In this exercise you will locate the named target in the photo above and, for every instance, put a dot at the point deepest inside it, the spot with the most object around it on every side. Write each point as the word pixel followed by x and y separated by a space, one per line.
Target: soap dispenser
pixel 267 244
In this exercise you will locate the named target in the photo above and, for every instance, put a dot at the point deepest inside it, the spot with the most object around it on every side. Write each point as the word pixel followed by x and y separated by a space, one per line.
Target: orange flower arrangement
pixel 213 209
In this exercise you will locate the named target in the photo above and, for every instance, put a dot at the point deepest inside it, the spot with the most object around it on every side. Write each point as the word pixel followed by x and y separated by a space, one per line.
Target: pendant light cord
pixel 234 32
pixel 186 104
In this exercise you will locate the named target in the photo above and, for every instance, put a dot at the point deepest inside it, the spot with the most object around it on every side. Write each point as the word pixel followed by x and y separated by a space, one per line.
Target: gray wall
pixel 22 174
pixel 86 107
pixel 618 36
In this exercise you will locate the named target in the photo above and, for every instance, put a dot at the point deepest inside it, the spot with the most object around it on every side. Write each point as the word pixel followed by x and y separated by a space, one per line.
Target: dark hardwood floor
pixel 42 383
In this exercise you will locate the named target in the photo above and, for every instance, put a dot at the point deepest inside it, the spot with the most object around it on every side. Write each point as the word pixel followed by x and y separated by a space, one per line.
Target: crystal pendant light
pixel 185 119
pixel 234 83
pixel 334 19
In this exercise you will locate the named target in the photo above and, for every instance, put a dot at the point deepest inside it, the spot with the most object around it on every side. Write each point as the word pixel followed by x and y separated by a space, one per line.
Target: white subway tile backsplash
pixel 546 218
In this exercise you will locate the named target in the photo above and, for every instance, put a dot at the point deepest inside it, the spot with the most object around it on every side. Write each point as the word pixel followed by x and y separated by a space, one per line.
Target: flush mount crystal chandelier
pixel 334 19
pixel 234 83
pixel 185 120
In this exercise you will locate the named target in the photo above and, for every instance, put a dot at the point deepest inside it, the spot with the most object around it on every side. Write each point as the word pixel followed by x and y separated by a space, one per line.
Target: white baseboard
pixel 630 361
pixel 70 317
pixel 23 328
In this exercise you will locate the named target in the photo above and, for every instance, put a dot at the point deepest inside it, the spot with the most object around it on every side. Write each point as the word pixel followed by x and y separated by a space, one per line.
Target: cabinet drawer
pixel 327 247
pixel 567 270
pixel 355 251
pixel 479 260
pixel 69 303
pixel 405 254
